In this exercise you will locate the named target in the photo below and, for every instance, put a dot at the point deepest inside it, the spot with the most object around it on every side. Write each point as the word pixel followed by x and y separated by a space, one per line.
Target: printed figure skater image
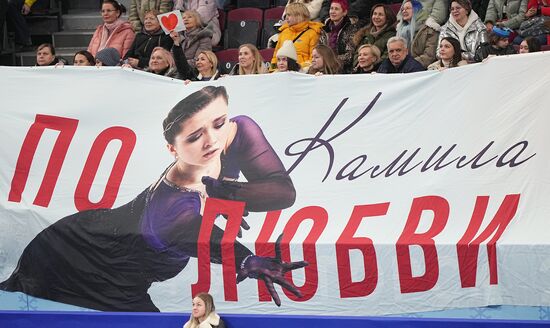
pixel 107 259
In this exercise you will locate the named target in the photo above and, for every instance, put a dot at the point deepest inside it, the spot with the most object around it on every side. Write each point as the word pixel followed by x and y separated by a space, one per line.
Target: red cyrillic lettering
pixel 347 242
pixel 234 211
pixel 320 219
pixel 67 129
pixel 467 249
pixel 440 207
pixel 82 192
pixel 265 248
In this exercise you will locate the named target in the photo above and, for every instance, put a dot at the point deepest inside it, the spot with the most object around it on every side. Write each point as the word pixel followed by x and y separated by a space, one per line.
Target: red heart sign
pixel 169 21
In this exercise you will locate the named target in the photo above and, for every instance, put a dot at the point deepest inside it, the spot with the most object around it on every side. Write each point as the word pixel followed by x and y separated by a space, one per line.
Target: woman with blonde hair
pixel 205 69
pixel 150 36
pixel 195 38
pixel 313 6
pixel 301 31
pixel 204 313
pixel 368 59
pixel 250 61
pixel 324 61
pixel 162 63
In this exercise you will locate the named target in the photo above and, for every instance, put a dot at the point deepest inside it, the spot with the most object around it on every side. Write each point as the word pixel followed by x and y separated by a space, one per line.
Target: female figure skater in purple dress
pixel 107 259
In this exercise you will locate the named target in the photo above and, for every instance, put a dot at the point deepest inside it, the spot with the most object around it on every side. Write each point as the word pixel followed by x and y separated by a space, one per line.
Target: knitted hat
pixel 108 56
pixel 288 50
pixel 502 32
pixel 417 5
pixel 343 3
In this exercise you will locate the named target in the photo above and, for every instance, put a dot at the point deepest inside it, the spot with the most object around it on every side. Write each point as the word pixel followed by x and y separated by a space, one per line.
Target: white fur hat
pixel 288 50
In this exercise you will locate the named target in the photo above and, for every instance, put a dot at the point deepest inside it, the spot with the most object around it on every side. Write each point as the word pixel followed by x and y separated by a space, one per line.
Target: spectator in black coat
pixel 498 45
pixel 150 37
pixel 399 60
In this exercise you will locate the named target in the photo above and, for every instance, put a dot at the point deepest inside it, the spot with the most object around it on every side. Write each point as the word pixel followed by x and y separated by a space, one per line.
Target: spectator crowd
pixel 314 37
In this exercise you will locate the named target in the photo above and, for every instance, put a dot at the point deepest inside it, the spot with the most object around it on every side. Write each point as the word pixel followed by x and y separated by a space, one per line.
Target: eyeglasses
pixel 108 11
pixel 455 8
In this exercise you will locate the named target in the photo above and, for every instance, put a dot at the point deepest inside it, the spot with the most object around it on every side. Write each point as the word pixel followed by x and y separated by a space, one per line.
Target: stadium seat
pixel 262 4
pixel 545 47
pixel 277 3
pixel 267 54
pixel 244 25
pixel 271 16
pixel 395 7
pixel 222 18
pixel 227 59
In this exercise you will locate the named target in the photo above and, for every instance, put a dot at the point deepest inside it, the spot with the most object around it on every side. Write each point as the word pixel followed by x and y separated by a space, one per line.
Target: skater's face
pixel 199 308
pixel 203 136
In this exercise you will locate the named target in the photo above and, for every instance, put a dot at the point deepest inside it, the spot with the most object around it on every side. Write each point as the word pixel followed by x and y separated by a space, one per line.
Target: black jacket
pixel 409 65
pixel 144 43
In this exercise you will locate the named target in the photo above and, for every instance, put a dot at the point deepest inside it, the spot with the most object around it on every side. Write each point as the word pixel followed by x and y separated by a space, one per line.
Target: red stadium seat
pixel 227 59
pixel 267 54
pixel 395 7
pixel 271 16
pixel 244 25
pixel 263 4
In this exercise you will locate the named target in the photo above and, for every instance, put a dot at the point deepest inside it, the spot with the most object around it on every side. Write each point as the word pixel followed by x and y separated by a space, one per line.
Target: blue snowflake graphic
pixel 480 313
pixel 27 303
pixel 544 312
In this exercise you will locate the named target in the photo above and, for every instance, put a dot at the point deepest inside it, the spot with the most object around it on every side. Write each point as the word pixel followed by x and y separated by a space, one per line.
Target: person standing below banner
pixel 204 314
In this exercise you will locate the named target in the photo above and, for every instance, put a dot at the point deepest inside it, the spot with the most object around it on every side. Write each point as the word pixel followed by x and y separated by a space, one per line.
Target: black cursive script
pixel 406 161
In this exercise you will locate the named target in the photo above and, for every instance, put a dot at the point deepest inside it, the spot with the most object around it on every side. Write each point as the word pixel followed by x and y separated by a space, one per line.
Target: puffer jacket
pixel 195 41
pixel 515 12
pixel 121 39
pixel 475 34
pixel 144 43
pixel 344 47
pixel 138 8
pixel 304 44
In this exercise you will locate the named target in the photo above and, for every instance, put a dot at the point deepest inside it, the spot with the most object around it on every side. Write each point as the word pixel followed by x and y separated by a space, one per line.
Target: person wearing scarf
pixel 380 29
pixel 114 32
pixel 338 33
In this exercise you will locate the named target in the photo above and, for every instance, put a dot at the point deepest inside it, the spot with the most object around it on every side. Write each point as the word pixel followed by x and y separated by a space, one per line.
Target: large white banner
pixel 414 192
